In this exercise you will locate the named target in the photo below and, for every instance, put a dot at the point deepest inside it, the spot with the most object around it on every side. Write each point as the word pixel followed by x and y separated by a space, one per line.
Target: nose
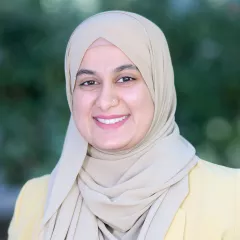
pixel 107 98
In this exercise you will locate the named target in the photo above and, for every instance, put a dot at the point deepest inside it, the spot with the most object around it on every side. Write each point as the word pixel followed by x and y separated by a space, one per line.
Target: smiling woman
pixel 125 172
pixel 112 106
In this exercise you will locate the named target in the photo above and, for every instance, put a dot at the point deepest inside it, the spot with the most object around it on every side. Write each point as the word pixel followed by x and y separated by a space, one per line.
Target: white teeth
pixel 111 121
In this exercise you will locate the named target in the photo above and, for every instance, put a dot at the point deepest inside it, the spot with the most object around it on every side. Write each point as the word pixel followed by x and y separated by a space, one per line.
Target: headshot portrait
pixel 126 172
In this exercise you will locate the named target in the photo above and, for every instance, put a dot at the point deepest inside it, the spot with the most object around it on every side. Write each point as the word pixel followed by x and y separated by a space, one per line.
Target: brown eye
pixel 88 83
pixel 125 79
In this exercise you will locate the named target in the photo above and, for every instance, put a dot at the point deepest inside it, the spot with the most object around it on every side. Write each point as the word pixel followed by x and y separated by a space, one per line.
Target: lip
pixel 110 116
pixel 110 126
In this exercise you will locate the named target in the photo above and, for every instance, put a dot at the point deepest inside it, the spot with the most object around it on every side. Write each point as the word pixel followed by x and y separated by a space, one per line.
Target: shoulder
pixel 32 193
pixel 35 186
pixel 205 167
pixel 29 208
pixel 207 176
pixel 214 197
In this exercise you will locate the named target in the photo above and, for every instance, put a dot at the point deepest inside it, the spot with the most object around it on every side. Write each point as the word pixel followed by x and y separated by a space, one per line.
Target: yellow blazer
pixel 211 211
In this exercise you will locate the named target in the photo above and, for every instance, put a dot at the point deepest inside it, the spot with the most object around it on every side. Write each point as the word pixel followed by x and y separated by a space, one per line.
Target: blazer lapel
pixel 177 228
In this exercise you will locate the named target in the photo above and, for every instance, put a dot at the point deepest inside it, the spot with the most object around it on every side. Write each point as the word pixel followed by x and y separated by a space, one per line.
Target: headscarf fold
pixel 130 194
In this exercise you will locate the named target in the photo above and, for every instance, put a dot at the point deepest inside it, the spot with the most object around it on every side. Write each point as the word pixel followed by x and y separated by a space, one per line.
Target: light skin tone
pixel 112 106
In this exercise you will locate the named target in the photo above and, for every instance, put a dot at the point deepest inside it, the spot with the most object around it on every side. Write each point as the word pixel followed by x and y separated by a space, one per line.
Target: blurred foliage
pixel 204 41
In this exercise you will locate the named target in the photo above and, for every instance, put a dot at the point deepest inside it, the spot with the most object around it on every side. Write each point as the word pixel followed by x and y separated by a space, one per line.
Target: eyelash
pixel 94 82
pixel 90 81
pixel 132 78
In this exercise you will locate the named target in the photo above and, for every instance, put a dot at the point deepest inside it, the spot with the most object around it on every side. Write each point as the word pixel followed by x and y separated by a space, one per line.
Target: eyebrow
pixel 116 70
pixel 124 67
pixel 85 71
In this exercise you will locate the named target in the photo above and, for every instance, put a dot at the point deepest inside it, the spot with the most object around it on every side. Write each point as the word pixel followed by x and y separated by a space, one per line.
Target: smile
pixel 111 121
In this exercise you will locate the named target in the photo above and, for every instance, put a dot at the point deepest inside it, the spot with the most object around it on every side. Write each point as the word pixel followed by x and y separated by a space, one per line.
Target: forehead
pixel 103 54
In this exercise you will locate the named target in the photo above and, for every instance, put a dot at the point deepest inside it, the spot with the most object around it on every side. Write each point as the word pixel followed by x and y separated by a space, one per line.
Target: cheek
pixel 140 103
pixel 82 107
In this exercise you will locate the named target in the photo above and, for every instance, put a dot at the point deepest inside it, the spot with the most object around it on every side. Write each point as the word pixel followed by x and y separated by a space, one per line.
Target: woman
pixel 125 171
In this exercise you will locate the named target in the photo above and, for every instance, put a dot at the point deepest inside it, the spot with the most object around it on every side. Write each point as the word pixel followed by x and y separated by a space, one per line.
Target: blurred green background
pixel 204 41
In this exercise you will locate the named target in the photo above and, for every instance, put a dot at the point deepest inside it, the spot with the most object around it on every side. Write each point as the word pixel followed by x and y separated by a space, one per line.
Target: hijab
pixel 130 194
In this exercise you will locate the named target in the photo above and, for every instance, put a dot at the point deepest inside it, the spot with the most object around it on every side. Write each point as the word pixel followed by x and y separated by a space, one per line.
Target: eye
pixel 88 83
pixel 125 79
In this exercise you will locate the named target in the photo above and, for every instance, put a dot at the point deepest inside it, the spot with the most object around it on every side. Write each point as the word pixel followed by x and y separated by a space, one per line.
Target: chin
pixel 111 146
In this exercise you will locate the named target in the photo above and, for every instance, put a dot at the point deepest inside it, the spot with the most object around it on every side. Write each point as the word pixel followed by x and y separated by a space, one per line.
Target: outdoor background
pixel 204 41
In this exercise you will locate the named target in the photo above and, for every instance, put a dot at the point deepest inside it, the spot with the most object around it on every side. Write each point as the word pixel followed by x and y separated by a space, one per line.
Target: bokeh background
pixel 204 41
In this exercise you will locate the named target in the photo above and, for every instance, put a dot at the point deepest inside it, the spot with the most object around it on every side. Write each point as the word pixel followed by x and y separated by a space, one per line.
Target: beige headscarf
pixel 132 194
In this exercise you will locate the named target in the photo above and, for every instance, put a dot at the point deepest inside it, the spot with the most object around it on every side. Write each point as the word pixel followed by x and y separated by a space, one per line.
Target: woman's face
pixel 112 106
